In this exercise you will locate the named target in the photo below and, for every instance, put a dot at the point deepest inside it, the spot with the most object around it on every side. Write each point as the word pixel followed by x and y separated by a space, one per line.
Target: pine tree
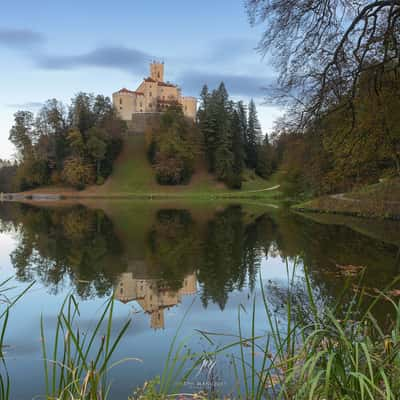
pixel 235 180
pixel 224 126
pixel 208 125
pixel 242 114
pixel 223 150
pixel 253 136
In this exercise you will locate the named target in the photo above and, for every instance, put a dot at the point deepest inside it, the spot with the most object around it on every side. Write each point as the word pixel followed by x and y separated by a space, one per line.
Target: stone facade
pixel 153 295
pixel 152 96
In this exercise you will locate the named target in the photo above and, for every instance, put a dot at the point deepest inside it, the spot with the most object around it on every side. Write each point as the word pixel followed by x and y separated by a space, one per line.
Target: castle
pixel 153 295
pixel 152 96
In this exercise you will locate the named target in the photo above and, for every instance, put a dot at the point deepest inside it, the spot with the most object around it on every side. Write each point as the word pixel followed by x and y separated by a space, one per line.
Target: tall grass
pixel 6 303
pixel 76 365
pixel 338 352
pixel 311 351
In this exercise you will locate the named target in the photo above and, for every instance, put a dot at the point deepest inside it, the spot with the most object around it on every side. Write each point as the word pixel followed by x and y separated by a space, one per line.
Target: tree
pixel 22 133
pixel 174 147
pixel 51 125
pixel 322 47
pixel 81 113
pixel 78 173
pixel 235 180
pixel 76 143
pixel 253 136
pixel 242 113
pixel 223 108
pixel 97 147
pixel 91 132
pixel 265 164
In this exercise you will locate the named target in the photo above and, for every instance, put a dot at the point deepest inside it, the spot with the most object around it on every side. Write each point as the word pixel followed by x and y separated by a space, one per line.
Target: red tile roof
pixel 150 80
pixel 124 90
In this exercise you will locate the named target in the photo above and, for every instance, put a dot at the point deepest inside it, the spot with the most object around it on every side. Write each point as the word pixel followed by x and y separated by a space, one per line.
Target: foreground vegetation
pixel 309 350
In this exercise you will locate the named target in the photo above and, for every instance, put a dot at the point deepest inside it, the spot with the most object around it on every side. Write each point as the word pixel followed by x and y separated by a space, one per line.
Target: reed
pixel 338 352
pixel 6 304
pixel 76 366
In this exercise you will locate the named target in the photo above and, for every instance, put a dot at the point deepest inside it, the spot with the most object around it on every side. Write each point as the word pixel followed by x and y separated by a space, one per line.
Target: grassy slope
pixel 378 200
pixel 133 175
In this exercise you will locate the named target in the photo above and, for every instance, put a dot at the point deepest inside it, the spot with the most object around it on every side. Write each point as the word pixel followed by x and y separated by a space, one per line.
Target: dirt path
pixel 262 190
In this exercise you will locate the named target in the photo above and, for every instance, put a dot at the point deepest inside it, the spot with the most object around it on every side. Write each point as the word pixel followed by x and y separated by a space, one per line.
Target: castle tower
pixel 157 71
pixel 157 319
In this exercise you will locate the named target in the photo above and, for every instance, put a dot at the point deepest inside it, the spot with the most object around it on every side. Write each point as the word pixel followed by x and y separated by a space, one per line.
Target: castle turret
pixel 157 71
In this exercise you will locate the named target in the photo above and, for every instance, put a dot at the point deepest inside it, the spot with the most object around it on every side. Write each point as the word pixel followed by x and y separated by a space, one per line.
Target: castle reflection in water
pixel 153 295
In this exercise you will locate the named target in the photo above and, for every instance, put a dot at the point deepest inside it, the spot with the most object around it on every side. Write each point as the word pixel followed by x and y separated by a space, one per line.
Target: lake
pixel 168 263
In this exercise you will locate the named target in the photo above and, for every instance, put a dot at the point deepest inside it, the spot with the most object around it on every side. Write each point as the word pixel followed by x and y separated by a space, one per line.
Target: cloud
pixel 20 38
pixel 237 85
pixel 26 106
pixel 123 58
pixel 231 49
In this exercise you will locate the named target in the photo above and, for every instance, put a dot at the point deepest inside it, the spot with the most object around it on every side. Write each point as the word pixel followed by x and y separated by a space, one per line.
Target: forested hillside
pixel 339 81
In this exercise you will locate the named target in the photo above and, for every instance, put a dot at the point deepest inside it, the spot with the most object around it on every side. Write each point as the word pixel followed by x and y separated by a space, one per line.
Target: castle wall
pixel 125 104
pixel 140 122
pixel 189 105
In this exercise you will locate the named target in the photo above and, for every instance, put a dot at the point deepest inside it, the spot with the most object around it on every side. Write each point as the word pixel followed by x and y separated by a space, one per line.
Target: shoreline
pixel 357 214
pixel 68 195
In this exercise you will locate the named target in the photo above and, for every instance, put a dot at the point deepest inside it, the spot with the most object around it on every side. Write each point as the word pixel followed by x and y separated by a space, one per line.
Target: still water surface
pixel 161 260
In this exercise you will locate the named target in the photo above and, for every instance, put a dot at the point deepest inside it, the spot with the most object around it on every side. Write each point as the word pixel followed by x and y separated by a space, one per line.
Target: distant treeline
pixel 74 145
pixel 227 135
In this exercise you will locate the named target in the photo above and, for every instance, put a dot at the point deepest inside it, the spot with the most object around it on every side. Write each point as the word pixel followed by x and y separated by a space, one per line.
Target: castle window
pixel 150 94
pixel 120 101
pixel 150 105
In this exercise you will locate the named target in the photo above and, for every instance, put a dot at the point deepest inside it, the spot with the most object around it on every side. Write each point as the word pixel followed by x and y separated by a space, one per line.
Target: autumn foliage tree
pixel 75 145
pixel 173 146
pixel 338 66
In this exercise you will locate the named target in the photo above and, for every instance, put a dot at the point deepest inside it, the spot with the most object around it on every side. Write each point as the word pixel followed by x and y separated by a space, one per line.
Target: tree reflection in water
pixel 177 253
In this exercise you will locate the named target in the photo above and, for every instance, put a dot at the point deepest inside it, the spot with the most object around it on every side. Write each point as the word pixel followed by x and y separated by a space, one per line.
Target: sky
pixel 55 49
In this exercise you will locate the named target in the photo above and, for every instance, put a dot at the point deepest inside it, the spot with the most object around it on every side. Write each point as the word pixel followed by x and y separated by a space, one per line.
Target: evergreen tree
pixel 237 150
pixel 242 114
pixel 253 136
pixel 223 150
pixel 207 125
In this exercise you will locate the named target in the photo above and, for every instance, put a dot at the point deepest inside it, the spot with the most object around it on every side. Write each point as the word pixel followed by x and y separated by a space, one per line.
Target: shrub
pixel 77 173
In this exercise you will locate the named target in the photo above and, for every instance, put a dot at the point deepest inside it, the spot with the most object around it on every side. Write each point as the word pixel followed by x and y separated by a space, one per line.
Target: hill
pixel 134 175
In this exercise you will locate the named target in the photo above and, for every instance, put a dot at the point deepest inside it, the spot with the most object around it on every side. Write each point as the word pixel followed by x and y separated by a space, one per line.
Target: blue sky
pixel 53 49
